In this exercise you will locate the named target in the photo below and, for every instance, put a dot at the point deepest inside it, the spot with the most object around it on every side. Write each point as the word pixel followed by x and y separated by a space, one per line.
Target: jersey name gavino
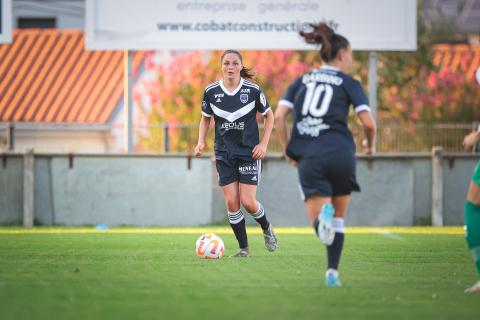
pixel 321 99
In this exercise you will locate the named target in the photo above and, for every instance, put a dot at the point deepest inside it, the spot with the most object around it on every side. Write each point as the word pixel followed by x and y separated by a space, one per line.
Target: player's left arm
pixel 260 150
pixel 471 139
pixel 369 128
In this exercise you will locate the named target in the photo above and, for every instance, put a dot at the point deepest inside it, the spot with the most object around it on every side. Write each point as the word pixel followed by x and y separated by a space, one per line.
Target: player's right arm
pixel 284 108
pixel 202 135
pixel 281 115
pixel 204 125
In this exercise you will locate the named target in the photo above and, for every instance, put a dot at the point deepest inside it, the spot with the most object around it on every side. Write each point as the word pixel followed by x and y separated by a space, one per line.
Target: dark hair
pixel 331 42
pixel 246 73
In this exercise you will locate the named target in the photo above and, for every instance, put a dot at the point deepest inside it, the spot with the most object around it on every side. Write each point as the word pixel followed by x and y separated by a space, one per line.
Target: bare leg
pixel 314 205
pixel 232 196
pixel 330 231
pixel 340 203
pixel 248 194
pixel 248 197
pixel 472 221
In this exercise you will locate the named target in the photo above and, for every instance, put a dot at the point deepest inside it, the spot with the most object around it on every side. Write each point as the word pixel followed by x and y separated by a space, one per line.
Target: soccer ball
pixel 210 246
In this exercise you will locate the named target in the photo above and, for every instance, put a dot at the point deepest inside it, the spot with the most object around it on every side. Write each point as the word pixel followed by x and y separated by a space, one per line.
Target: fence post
pixel 437 187
pixel 28 188
pixel 11 136
pixel 128 98
pixel 166 137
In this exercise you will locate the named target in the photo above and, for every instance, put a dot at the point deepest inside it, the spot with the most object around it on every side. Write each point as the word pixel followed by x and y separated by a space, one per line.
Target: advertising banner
pixel 246 24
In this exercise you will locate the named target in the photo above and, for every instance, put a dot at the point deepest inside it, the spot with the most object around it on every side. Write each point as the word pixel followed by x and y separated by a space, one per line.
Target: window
pixel 41 23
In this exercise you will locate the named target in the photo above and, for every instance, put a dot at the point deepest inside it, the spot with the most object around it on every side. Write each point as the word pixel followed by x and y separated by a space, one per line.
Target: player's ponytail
pixel 331 42
pixel 246 73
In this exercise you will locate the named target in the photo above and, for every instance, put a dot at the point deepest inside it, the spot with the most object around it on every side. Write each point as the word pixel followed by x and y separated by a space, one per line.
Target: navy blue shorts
pixel 247 172
pixel 332 175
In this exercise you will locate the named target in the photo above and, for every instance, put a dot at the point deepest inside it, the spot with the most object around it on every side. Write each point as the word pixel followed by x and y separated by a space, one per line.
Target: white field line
pixel 392 232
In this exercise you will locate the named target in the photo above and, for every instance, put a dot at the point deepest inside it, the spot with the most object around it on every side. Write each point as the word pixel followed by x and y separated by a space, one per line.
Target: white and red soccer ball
pixel 210 246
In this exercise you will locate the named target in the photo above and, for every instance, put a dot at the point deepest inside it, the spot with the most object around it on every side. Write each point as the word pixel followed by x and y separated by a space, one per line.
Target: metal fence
pixel 167 138
pixel 418 138
pixel 390 138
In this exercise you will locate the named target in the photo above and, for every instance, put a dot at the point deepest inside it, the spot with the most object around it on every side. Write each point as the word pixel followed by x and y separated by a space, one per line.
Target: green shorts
pixel 476 174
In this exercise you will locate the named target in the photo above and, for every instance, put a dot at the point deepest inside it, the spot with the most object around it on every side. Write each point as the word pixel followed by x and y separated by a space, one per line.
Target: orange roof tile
pixel 47 76
pixel 459 57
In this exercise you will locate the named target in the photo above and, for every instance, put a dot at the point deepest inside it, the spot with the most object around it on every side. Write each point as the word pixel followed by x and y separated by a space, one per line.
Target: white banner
pixel 246 24
pixel 5 21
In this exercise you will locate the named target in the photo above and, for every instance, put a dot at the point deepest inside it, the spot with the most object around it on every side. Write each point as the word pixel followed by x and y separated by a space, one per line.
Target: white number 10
pixel 312 97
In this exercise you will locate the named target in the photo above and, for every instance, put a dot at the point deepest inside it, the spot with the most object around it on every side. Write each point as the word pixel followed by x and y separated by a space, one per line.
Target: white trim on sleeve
pixel 286 103
pixel 264 113
pixel 362 107
pixel 206 114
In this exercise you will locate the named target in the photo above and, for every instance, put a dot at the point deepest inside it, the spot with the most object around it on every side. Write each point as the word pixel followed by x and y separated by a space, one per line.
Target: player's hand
pixel 470 140
pixel 368 150
pixel 290 161
pixel 259 152
pixel 199 149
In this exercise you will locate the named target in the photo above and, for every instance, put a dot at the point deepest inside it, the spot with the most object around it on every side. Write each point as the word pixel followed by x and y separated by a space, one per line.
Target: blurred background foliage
pixel 413 92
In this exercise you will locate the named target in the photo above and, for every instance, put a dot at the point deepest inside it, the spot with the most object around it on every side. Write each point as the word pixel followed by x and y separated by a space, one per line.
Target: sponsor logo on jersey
pixel 248 169
pixel 233 125
pixel 244 98
pixel 218 96
pixel 310 126
pixel 245 91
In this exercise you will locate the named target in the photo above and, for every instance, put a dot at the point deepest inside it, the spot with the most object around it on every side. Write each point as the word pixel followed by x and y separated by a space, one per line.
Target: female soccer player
pixel 472 211
pixel 234 101
pixel 321 145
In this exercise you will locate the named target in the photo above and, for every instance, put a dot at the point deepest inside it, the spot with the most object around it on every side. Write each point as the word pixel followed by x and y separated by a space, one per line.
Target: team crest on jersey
pixel 243 98
pixel 204 105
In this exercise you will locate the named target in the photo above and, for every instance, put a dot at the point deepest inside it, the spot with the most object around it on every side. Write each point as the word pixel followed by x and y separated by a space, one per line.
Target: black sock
pixel 334 251
pixel 261 217
pixel 237 222
pixel 240 233
pixel 315 224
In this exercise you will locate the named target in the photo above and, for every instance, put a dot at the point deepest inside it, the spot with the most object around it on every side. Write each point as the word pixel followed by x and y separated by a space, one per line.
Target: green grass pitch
pixel 75 273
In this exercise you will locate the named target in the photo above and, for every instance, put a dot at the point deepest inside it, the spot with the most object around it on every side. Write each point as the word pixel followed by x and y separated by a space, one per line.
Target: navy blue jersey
pixel 321 100
pixel 235 114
